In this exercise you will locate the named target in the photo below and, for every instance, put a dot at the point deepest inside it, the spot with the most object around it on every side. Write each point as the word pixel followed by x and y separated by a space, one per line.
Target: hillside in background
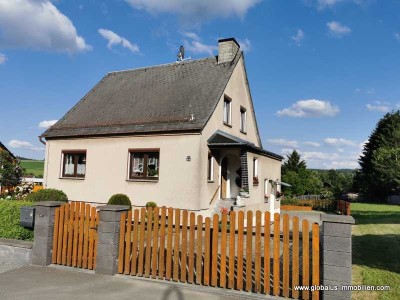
pixel 33 167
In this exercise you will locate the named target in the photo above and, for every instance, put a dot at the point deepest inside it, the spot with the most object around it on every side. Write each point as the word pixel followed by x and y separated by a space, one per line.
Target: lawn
pixel 35 167
pixel 376 249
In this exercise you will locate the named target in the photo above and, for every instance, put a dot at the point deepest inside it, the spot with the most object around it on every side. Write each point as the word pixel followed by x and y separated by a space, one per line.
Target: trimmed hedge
pixel 151 204
pixel 9 220
pixel 119 199
pixel 47 195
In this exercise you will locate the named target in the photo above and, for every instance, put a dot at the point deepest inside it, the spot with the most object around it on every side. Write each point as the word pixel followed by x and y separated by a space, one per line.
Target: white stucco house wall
pixel 183 135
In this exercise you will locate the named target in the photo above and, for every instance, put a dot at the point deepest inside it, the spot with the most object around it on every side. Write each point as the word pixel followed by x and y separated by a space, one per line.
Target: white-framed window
pixel 243 120
pixel 227 111
pixel 210 168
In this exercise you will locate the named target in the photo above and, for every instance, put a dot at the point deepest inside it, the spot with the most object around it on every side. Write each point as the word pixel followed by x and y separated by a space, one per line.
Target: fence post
pixel 108 237
pixel 43 232
pixel 336 255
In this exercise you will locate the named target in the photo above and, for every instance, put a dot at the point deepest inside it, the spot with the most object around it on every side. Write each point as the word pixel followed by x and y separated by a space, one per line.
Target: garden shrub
pixel 47 195
pixel 9 220
pixel 151 204
pixel 119 199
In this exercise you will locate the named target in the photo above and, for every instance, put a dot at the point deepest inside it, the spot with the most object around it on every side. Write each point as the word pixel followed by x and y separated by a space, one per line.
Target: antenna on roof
pixel 181 54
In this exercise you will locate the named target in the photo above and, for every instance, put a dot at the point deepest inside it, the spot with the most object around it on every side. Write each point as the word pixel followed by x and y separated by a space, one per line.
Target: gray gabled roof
pixel 221 140
pixel 174 97
pixel 5 149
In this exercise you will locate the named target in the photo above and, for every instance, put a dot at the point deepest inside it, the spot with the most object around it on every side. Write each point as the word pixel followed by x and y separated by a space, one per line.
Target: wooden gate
pixel 269 256
pixel 75 235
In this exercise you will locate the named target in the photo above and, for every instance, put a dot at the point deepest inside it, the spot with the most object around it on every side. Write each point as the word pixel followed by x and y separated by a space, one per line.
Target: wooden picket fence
pixel 343 207
pixel 270 256
pixel 75 235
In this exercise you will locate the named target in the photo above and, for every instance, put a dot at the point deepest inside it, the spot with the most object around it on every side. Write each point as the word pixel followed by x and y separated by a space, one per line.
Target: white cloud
pixel 324 4
pixel 338 30
pixel 284 143
pixel 245 45
pixel 198 47
pixel 309 108
pixel 3 58
pixel 195 10
pixel 397 36
pixel 24 145
pixel 47 124
pixel 190 35
pixel 115 39
pixel 298 38
pixel 39 25
pixel 312 144
pixel 380 106
pixel 338 142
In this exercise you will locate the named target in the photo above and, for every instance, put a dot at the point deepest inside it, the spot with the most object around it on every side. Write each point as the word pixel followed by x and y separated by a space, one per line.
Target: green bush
pixel 151 204
pixel 47 195
pixel 9 220
pixel 119 199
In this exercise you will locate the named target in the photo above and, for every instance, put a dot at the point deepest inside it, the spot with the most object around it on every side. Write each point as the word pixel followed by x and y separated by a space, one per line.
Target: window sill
pixel 142 180
pixel 227 124
pixel 244 132
pixel 72 178
pixel 210 181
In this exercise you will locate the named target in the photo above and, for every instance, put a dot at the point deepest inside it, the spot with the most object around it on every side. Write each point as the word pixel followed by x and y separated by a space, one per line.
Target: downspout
pixel 46 161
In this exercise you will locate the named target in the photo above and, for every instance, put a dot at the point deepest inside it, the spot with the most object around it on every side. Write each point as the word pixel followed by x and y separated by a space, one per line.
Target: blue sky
pixel 321 72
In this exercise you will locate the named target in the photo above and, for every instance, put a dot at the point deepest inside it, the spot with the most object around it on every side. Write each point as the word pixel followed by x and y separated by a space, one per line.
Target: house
pixel 183 135
pixel 4 148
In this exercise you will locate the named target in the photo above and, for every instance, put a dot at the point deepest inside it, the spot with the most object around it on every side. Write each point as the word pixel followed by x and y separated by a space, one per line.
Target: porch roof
pixel 221 139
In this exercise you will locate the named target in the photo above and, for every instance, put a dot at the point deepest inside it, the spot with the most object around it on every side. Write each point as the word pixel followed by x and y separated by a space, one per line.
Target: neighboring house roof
pixel 2 147
pixel 221 139
pixel 173 97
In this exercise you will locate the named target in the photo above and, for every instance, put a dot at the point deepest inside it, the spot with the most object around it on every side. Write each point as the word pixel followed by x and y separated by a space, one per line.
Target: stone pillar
pixel 336 255
pixel 43 232
pixel 108 237
pixel 245 170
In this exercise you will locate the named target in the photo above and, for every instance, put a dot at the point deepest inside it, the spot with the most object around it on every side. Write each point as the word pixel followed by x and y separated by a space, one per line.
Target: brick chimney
pixel 227 50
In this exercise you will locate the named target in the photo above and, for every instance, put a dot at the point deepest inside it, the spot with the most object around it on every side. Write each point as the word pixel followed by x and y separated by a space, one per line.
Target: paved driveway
pixel 38 283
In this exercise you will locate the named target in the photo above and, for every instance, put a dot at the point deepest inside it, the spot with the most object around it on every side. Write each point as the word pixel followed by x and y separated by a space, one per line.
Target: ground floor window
pixel 144 164
pixel 74 163
pixel 210 168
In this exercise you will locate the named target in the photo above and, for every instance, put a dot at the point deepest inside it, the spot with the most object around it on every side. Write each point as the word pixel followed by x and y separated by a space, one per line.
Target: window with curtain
pixel 227 111
pixel 74 164
pixel 144 164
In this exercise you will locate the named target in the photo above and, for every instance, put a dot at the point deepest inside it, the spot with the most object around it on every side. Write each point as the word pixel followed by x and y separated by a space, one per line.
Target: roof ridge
pixel 162 65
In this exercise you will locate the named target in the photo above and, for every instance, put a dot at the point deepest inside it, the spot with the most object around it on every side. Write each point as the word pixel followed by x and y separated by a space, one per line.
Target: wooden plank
pixel 65 235
pixel 222 271
pixel 86 237
pixel 80 238
pixel 142 238
pixel 249 251
pixel 199 251
pixel 128 243
pixel 214 249
pixel 207 246
pixel 162 244
pixel 184 245
pixel 154 258
pixel 60 234
pixel 168 258
pixel 76 232
pixel 232 231
pixel 149 235
pixel 240 244
pixel 306 257
pixel 285 255
pixel 177 233
pixel 315 259
pixel 55 235
pixel 257 258
pixel 295 260
pixel 121 249
pixel 96 238
pixel 267 254
pixel 91 237
pixel 276 274
pixel 135 242
pixel 191 247
pixel 70 233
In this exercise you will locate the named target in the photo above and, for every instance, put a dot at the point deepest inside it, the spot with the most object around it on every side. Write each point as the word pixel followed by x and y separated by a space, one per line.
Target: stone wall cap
pixel 16 243
pixel 337 219
pixel 50 203
pixel 113 208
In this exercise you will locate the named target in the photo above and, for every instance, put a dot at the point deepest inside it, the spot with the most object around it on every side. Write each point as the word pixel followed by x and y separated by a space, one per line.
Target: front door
pixel 224 177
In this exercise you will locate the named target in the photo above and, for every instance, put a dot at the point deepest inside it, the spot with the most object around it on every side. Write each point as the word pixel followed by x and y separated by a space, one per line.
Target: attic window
pixel 144 164
pixel 227 111
pixel 74 163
